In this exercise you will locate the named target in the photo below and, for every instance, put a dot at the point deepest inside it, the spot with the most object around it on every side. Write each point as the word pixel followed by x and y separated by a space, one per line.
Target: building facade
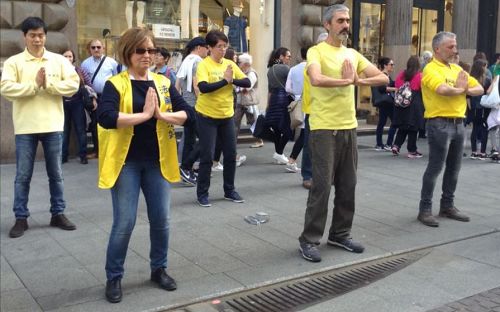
pixel 394 28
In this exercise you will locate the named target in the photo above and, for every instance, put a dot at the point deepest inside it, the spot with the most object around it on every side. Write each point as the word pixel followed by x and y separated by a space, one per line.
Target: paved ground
pixel 213 250
pixel 482 302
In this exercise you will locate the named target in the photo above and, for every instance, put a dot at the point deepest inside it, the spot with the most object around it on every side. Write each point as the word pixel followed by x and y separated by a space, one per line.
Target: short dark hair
pixel 303 52
pixel 383 61
pixel 32 23
pixel 130 40
pixel 164 52
pixel 214 36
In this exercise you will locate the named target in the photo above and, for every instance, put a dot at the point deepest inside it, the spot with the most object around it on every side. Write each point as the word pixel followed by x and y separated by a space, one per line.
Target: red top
pixel 414 82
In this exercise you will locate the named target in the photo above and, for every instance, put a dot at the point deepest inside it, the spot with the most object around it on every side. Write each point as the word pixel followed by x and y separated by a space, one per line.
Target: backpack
pixel 403 95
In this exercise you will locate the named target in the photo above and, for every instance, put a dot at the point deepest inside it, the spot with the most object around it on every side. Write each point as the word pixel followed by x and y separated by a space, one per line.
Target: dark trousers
pixel 191 150
pixel 412 139
pixel 280 139
pixel 479 131
pixel 299 144
pixel 74 114
pixel 306 169
pixel 384 113
pixel 334 158
pixel 93 130
pixel 209 129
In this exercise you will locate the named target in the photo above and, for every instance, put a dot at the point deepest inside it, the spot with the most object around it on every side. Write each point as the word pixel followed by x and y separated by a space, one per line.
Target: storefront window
pixel 424 27
pixel 371 30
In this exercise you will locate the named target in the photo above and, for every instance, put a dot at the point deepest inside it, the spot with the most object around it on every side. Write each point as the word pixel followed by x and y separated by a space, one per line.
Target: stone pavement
pixel 213 251
pixel 483 302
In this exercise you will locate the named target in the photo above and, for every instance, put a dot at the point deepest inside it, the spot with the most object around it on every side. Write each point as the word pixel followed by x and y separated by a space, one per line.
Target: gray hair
pixel 322 37
pixel 440 37
pixel 245 58
pixel 427 55
pixel 331 10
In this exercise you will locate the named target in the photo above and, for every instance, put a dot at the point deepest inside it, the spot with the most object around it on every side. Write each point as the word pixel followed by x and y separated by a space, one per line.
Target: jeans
pixel 26 145
pixel 445 137
pixel 280 139
pixel 210 130
pixel 335 159
pixel 384 113
pixel 74 113
pixel 412 139
pixel 306 169
pixel 479 131
pixel 136 175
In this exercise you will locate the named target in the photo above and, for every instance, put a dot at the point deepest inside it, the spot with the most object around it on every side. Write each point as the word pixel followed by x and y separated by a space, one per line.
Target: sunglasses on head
pixel 142 51
pixel 95 47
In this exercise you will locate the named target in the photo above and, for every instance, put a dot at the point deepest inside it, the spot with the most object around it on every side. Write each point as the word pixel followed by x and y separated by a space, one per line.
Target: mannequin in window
pixel 190 14
pixel 139 14
pixel 235 26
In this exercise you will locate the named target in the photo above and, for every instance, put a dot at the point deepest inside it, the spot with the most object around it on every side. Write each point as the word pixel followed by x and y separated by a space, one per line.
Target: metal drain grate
pixel 300 293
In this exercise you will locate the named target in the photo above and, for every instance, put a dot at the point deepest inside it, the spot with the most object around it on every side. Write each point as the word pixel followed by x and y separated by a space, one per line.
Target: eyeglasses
pixel 95 47
pixel 391 64
pixel 143 51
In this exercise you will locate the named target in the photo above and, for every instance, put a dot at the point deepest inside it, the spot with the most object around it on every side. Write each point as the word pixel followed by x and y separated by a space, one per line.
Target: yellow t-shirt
pixel 306 93
pixel 436 73
pixel 218 104
pixel 334 108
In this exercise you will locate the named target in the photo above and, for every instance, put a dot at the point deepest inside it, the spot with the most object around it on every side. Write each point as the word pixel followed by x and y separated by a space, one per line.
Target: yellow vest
pixel 114 143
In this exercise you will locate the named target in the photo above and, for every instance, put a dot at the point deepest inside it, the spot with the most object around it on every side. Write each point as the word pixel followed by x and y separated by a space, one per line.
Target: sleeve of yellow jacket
pixel 11 85
pixel 67 83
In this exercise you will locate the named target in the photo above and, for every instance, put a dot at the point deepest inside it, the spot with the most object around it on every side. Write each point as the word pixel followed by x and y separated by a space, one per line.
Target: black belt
pixel 452 120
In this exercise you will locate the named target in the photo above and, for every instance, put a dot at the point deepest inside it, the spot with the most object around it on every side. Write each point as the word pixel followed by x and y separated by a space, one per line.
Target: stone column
pixel 465 27
pixel 397 32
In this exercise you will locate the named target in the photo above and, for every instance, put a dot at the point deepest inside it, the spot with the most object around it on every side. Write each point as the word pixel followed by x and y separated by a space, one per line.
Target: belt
pixel 452 120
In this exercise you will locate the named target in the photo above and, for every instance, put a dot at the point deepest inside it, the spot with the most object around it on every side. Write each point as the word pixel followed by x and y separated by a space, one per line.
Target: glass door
pixel 424 27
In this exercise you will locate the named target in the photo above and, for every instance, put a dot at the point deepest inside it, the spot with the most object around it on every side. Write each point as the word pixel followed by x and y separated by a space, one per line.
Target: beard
pixel 343 35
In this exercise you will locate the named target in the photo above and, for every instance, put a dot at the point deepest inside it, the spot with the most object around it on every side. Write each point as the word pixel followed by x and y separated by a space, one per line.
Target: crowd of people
pixel 131 106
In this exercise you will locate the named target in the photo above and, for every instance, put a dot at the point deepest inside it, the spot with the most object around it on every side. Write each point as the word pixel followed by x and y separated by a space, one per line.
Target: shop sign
pixel 166 31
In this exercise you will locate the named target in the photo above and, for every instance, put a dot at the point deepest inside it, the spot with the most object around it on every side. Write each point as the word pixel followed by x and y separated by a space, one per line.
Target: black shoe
pixel 114 291
pixel 64 160
pixel 161 277
pixel 346 243
pixel 83 160
pixel 19 227
pixel 62 222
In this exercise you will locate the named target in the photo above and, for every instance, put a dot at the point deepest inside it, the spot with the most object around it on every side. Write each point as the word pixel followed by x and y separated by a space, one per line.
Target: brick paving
pixel 488 301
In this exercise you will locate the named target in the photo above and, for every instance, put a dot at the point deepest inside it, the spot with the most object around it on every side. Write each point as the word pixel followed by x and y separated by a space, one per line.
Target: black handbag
pixel 380 99
pixel 262 130
pixel 87 100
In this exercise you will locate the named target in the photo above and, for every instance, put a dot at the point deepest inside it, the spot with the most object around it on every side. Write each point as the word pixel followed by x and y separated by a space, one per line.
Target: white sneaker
pixel 280 159
pixel 292 167
pixel 218 167
pixel 240 160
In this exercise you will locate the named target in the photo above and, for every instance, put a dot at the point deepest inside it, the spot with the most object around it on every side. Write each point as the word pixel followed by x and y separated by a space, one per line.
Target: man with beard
pixel 445 87
pixel 333 70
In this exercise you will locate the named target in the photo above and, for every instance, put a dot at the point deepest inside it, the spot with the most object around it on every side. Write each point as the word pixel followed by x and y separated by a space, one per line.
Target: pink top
pixel 414 82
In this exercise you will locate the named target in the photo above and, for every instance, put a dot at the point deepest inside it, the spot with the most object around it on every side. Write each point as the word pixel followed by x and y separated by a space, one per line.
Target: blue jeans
pixel 74 113
pixel 211 130
pixel 306 169
pixel 384 113
pixel 26 145
pixel 145 175
pixel 446 144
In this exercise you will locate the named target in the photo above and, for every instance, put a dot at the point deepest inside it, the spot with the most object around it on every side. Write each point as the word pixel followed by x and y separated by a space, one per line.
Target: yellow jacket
pixel 114 143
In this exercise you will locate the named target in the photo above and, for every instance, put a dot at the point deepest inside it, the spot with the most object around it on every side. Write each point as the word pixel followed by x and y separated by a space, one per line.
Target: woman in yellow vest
pixel 138 151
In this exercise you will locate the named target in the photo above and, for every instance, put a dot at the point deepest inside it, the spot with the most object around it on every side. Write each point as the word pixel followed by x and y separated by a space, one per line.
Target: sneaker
pixel 292 167
pixel 188 177
pixel 474 155
pixel 62 222
pixel 310 252
pixel 413 155
pixel 379 148
pixel 387 148
pixel 234 197
pixel 280 159
pixel 453 213
pixel 218 167
pixel 427 218
pixel 240 160
pixel 18 229
pixel 204 202
pixel 346 243
pixel 395 150
pixel 494 154
pixel 482 156
pixel 258 144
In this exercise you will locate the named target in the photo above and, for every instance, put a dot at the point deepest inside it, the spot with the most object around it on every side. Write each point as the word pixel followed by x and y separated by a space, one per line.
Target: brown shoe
pixel 19 227
pixel 307 184
pixel 453 213
pixel 62 222
pixel 427 218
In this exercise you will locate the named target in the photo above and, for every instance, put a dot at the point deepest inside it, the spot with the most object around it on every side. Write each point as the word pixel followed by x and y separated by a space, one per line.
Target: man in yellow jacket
pixel 35 80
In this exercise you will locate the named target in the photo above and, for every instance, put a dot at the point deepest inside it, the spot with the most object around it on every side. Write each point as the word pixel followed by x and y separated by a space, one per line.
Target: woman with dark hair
pixel 137 114
pixel 215 111
pixel 409 120
pixel 74 113
pixel 478 115
pixel 160 65
pixel 383 99
pixel 277 116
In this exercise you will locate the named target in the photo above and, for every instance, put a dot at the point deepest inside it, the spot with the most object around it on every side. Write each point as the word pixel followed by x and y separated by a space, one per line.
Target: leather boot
pixel 114 291
pixel 19 227
pixel 161 277
pixel 427 218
